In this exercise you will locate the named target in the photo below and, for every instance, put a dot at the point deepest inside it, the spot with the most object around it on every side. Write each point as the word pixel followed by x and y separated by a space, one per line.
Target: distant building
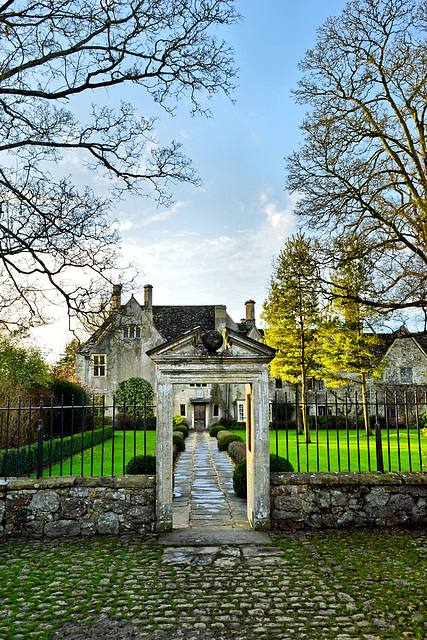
pixel 117 351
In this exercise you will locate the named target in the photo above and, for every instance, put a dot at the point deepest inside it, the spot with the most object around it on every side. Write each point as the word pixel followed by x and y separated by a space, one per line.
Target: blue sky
pixel 215 245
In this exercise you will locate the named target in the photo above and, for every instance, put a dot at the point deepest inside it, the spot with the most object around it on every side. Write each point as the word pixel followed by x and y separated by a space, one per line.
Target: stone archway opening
pixel 235 359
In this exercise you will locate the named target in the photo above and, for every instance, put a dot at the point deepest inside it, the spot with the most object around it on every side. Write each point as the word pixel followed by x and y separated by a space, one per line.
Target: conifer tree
pixel 292 314
pixel 347 348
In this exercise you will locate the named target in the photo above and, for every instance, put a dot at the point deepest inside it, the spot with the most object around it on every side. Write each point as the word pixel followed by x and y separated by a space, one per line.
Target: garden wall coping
pixel 350 478
pixel 58 482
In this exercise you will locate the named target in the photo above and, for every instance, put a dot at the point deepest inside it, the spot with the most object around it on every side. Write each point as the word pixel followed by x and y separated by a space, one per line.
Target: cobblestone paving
pixel 334 585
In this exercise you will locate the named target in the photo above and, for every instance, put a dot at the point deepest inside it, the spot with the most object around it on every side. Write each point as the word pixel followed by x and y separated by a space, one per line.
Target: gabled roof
pixel 172 322
pixel 387 339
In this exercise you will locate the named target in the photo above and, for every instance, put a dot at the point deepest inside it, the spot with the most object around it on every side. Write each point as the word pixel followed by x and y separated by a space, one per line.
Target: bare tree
pixel 363 165
pixel 52 53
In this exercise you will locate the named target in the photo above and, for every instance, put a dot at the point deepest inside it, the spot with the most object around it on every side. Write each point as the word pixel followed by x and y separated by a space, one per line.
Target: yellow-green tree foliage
pixel 292 314
pixel 347 348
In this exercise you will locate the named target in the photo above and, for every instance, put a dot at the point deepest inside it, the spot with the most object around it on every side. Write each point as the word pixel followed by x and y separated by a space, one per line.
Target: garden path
pixel 203 487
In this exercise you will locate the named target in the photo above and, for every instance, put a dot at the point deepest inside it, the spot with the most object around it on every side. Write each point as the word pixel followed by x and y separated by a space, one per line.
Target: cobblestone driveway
pixel 336 585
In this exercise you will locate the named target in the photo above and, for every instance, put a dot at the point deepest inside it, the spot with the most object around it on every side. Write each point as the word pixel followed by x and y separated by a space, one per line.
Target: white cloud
pixel 189 268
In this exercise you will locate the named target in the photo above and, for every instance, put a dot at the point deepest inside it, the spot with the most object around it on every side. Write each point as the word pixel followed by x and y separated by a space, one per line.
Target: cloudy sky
pixel 216 243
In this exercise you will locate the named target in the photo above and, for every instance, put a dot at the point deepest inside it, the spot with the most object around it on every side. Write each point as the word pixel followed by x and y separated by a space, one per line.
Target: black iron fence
pixel 75 439
pixel 328 432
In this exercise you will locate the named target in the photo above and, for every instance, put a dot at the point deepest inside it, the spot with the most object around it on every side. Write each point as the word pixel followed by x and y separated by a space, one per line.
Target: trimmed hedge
pixel 179 442
pixel 239 474
pixel 215 428
pixel 224 441
pixel 141 465
pixel 237 451
pixel 223 432
pixel 27 460
pixel 182 428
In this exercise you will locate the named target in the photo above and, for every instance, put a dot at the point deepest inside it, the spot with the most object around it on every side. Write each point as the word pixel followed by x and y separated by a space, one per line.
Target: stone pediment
pixel 189 346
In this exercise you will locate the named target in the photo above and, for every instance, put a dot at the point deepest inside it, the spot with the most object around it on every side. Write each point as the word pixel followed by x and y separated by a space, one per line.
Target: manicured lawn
pixel 92 463
pixel 348 455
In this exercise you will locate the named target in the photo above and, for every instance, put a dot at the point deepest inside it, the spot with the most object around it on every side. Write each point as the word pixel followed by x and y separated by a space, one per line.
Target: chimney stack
pixel 250 314
pixel 148 297
pixel 117 296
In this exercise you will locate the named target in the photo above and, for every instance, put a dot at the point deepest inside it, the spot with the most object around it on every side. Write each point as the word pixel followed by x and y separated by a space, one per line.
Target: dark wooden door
pixel 200 416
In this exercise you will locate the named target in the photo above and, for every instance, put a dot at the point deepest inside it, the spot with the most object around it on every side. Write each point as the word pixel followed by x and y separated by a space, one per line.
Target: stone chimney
pixel 117 296
pixel 250 314
pixel 148 297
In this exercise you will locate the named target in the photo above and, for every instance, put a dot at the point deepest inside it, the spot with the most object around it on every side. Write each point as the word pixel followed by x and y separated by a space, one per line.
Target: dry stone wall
pixel 336 500
pixel 70 506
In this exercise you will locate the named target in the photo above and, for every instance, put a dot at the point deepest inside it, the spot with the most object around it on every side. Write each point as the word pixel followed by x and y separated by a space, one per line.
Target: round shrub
pixel 140 465
pixel 279 464
pixel 239 479
pixel 239 474
pixel 178 433
pixel 225 441
pixel 237 451
pixel 178 420
pixel 214 430
pixel 179 442
pixel 223 433
pixel 183 428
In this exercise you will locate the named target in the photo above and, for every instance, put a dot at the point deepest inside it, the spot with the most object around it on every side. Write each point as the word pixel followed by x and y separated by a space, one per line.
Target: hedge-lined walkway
pixel 203 487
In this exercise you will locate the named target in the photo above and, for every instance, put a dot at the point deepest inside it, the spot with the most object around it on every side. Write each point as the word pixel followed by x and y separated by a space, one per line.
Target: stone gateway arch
pixel 214 359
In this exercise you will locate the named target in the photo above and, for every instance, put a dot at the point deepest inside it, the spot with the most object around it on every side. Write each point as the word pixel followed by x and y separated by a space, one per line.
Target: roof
pixel 387 339
pixel 172 322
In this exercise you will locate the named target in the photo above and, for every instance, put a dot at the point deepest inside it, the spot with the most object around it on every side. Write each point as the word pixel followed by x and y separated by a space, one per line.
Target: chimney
pixel 117 296
pixel 250 314
pixel 148 297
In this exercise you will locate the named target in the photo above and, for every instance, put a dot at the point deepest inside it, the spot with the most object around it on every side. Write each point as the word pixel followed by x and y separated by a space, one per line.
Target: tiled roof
pixel 172 322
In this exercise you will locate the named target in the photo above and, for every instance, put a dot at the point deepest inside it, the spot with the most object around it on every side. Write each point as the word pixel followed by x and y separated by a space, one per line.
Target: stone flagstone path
pixel 203 490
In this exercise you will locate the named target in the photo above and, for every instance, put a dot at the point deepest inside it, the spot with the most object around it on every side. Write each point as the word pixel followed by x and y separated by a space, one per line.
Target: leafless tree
pixel 52 54
pixel 362 168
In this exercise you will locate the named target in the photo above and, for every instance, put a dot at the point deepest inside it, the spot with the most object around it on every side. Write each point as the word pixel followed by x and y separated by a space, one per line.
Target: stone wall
pixel 316 500
pixel 70 506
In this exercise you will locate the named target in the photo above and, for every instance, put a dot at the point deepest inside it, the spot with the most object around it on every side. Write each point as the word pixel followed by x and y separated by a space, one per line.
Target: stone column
pixel 260 517
pixel 164 457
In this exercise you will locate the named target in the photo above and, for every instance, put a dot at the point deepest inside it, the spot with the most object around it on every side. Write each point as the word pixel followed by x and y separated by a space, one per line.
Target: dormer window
pixel 131 332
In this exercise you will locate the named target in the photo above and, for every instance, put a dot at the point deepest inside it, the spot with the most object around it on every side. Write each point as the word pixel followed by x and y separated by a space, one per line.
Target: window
pixel 99 363
pixel 131 332
pixel 241 411
pixel 316 385
pixel 197 384
pixel 216 409
pixel 406 375
pixel 182 408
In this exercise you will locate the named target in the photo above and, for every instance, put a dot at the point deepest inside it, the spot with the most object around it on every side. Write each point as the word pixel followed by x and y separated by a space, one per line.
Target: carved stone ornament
pixel 212 341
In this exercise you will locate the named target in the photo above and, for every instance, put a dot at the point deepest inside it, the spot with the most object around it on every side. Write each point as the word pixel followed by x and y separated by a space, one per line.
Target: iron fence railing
pixel 328 432
pixel 76 439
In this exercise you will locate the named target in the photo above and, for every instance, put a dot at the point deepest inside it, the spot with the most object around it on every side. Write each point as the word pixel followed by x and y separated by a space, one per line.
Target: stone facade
pixel 118 350
pixel 337 500
pixel 70 506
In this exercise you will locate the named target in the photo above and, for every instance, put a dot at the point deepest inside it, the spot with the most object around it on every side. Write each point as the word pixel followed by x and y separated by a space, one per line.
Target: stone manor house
pixel 118 351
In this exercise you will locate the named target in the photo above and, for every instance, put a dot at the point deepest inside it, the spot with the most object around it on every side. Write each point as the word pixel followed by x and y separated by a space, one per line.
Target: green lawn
pixel 348 459
pixel 92 463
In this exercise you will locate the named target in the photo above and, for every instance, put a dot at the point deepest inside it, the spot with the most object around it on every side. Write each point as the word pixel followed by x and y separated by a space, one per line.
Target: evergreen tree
pixel 292 314
pixel 346 346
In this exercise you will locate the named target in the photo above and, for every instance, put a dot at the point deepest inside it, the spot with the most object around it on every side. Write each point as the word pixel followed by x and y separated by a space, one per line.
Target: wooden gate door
pixel 199 416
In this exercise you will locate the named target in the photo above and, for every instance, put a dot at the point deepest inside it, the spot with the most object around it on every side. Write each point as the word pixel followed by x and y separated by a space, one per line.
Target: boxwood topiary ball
pixel 225 441
pixel 140 465
pixel 179 442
